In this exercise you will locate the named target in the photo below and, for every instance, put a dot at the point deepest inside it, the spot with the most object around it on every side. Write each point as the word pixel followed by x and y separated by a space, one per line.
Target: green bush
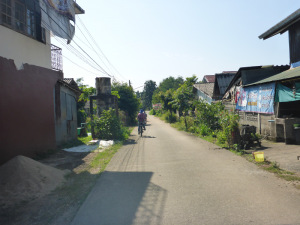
pixel 204 130
pixel 221 137
pixel 152 112
pixel 109 127
pixel 193 129
pixel 169 118
pixel 159 112
pixel 229 124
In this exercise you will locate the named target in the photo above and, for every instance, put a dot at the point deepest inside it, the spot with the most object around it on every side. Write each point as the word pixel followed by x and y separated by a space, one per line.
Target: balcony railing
pixel 56 58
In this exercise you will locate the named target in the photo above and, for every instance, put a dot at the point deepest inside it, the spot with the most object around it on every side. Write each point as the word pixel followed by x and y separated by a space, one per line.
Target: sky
pixel 152 40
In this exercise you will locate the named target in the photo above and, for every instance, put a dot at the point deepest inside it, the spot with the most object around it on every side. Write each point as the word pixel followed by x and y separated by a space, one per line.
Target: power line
pixel 71 60
pixel 93 48
pixel 99 47
pixel 74 51
pixel 75 42
pixel 77 53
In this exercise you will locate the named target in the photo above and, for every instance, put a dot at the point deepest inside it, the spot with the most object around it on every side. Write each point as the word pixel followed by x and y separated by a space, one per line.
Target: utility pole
pixel 129 84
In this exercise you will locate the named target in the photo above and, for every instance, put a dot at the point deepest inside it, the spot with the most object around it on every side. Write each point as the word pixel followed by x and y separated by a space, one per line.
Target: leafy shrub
pixel 193 129
pixel 221 137
pixel 259 137
pixel 158 113
pixel 108 126
pixel 229 124
pixel 152 112
pixel 208 114
pixel 204 130
pixel 169 118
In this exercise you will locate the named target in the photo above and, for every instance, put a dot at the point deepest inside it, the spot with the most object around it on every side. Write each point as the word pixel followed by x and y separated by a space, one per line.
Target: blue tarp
pixel 259 98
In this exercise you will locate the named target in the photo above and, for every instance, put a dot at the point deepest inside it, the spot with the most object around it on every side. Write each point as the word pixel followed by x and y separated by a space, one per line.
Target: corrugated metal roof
pixel 207 88
pixel 70 83
pixel 224 80
pixel 282 26
pixel 68 80
pixel 209 78
pixel 239 73
pixel 229 72
pixel 286 75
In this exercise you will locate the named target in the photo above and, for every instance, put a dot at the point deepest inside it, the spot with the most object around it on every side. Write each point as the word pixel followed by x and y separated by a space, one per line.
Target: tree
pixel 128 101
pixel 190 81
pixel 166 99
pixel 149 88
pixel 170 83
pixel 184 97
pixel 139 94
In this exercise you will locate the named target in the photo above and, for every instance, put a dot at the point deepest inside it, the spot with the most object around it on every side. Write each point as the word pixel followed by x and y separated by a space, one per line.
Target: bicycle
pixel 141 129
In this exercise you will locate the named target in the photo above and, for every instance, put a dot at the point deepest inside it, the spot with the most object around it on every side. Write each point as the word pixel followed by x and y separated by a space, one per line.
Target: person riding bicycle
pixel 141 119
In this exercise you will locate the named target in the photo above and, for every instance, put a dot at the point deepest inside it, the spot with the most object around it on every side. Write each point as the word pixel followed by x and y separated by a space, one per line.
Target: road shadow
pixel 149 137
pixel 130 141
pixel 123 198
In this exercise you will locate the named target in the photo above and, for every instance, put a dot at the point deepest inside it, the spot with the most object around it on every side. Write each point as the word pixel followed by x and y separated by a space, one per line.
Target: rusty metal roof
pixel 206 88
pixel 282 26
pixel 209 78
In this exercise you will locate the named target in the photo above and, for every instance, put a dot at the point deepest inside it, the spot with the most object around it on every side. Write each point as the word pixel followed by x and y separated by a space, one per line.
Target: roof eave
pixel 282 26
pixel 78 9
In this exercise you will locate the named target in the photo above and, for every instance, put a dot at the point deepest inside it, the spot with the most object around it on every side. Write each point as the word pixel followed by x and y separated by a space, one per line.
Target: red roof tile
pixel 210 78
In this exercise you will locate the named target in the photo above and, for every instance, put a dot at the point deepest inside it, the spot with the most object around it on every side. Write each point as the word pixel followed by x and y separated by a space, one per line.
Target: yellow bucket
pixel 259 156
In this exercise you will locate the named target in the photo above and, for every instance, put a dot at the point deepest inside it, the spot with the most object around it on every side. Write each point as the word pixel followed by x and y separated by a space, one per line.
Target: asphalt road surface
pixel 172 177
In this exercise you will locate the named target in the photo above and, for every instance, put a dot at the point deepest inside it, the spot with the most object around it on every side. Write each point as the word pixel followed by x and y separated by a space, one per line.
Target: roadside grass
pixel 81 180
pixel 103 158
pixel 274 167
pixel 88 174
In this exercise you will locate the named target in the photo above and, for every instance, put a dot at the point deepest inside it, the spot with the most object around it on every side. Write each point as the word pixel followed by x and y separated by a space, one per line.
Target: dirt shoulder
pixel 62 204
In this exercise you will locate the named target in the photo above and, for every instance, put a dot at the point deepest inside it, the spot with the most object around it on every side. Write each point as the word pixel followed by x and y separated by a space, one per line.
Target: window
pixel 6 12
pixel 23 16
pixel 30 18
pixel 19 16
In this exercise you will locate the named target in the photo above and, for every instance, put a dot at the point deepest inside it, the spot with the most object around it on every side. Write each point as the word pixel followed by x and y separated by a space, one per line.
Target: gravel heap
pixel 24 179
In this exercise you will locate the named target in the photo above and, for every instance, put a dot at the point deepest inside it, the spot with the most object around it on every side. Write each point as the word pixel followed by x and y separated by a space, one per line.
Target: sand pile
pixel 23 179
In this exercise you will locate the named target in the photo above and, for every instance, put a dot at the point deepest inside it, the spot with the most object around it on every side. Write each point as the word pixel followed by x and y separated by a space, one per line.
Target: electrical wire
pixel 75 43
pixel 80 21
pixel 90 61
pixel 74 51
pixel 71 60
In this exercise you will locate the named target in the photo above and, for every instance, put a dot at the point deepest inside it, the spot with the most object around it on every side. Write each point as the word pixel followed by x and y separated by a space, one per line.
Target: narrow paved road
pixel 171 177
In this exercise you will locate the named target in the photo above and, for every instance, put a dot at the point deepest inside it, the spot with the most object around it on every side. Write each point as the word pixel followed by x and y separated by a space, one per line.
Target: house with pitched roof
pixel 287 97
pixel 208 79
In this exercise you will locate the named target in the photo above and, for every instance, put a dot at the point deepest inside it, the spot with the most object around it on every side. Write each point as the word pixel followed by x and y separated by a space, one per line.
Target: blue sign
pixel 258 98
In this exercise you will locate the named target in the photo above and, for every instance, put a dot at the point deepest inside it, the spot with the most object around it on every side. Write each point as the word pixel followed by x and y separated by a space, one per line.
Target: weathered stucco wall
pixel 27 110
pixel 23 49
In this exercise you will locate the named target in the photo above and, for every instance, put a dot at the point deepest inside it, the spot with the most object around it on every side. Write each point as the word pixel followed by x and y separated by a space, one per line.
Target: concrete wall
pixel 27 110
pixel 23 49
pixel 65 114
pixel 259 120
pixel 201 95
